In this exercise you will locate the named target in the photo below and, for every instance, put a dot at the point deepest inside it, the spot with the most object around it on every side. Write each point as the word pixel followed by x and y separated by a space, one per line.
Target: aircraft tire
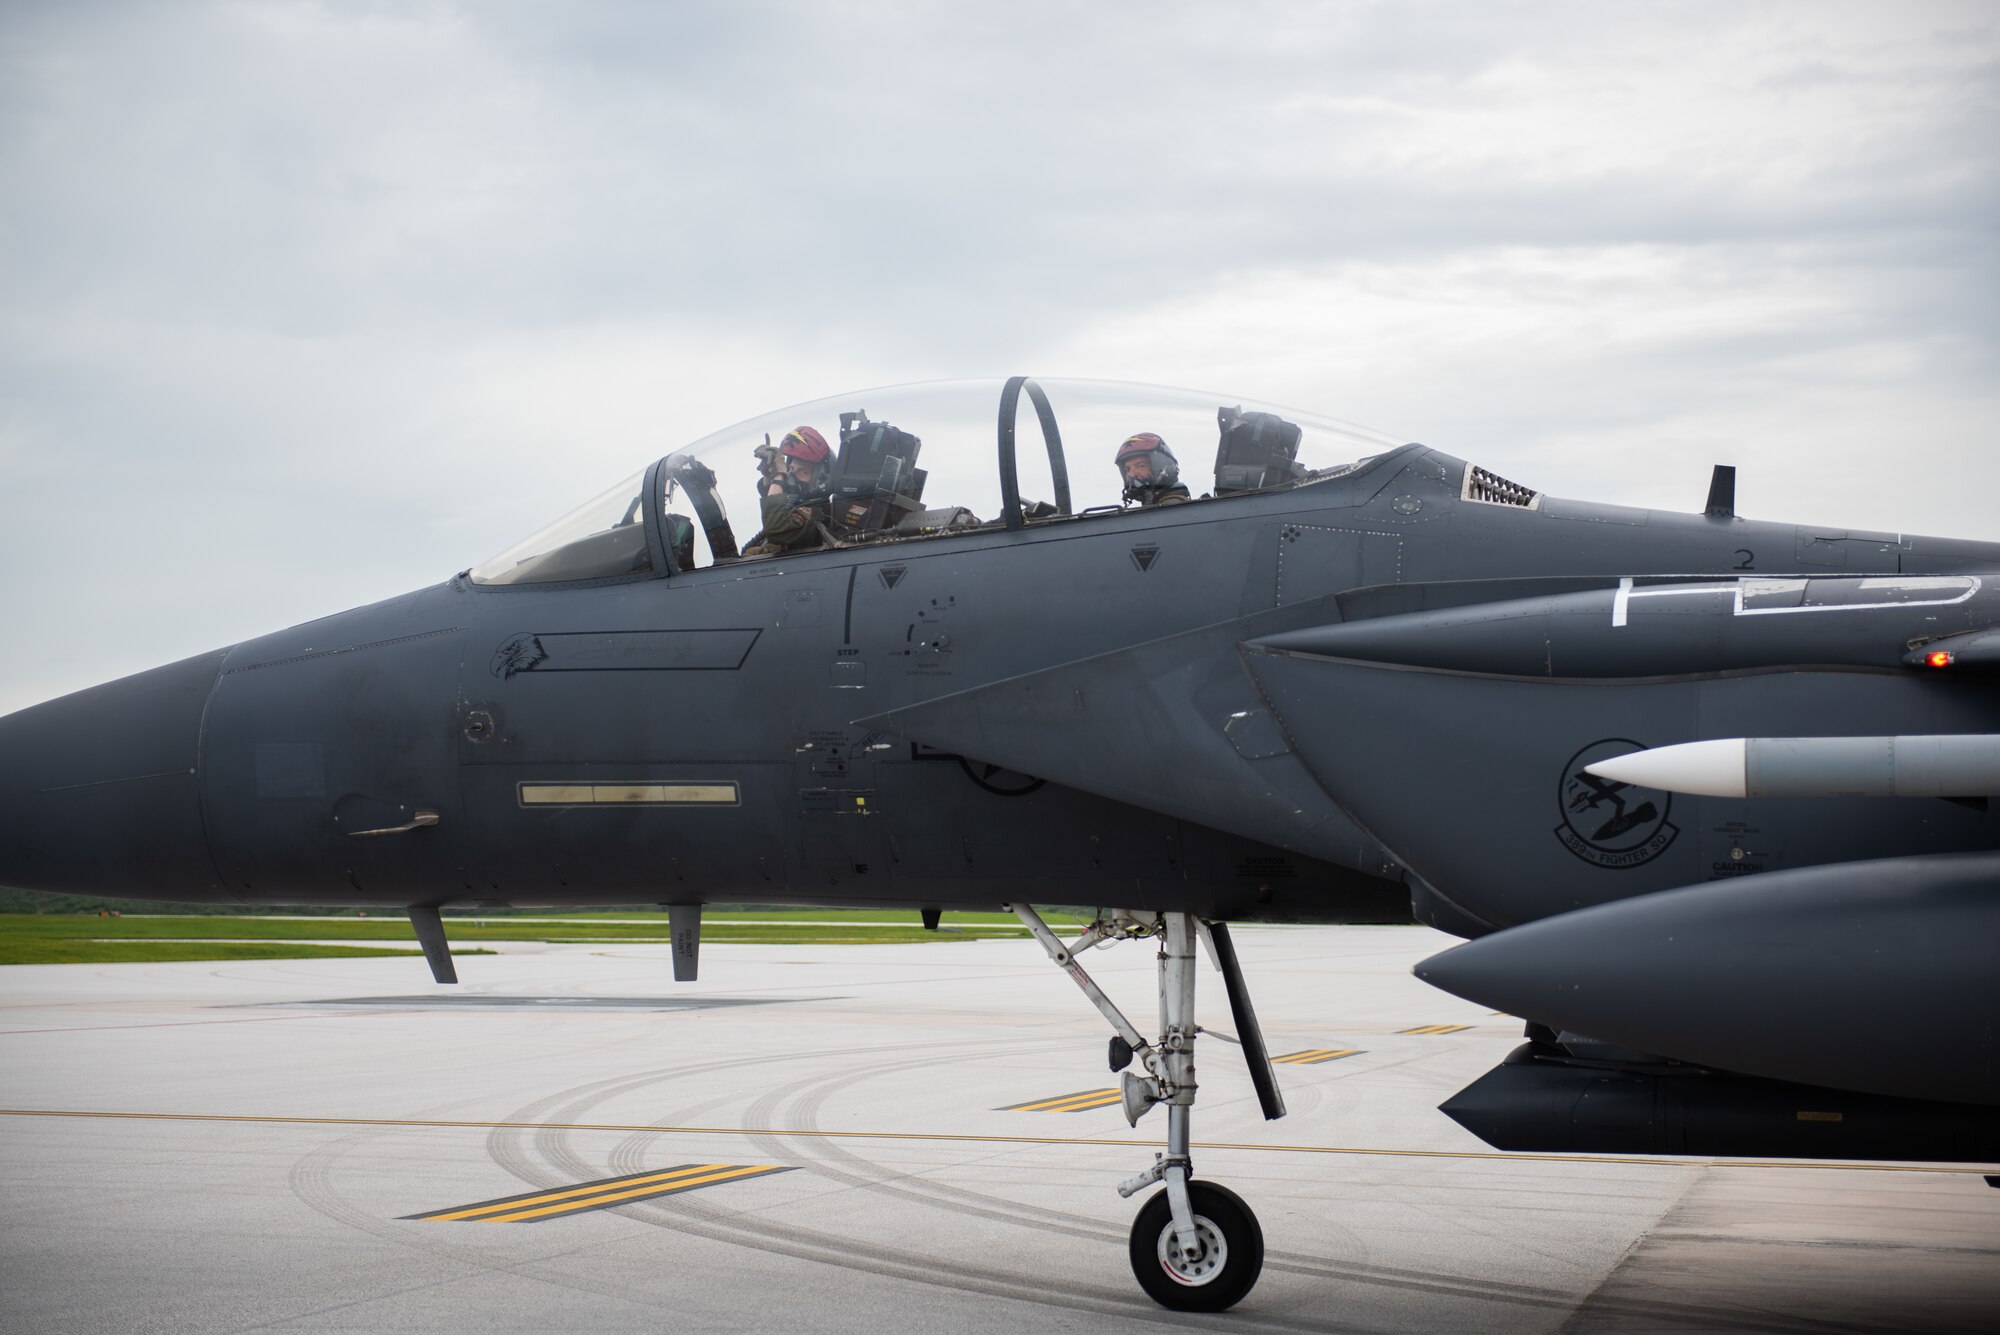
pixel 1228 1270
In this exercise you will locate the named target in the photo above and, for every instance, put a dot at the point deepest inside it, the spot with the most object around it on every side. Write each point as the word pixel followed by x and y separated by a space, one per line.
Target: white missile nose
pixel 1708 769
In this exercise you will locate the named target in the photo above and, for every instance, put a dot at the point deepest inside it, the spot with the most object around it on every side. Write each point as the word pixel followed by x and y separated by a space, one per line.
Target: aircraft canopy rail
pixel 910 462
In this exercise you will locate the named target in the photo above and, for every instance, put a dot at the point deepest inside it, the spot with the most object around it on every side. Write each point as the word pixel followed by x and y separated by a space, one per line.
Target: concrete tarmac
pixel 241 1146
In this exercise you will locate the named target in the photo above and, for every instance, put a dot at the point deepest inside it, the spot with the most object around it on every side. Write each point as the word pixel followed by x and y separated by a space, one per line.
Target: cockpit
pixel 924 462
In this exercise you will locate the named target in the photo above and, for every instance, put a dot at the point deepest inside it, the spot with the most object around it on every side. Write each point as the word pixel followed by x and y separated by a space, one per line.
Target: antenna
pixel 1722 493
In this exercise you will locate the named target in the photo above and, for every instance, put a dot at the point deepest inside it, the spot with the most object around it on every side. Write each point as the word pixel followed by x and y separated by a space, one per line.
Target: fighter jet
pixel 1307 695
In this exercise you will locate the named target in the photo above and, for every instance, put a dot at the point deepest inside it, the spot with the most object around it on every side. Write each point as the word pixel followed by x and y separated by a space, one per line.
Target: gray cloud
pixel 312 302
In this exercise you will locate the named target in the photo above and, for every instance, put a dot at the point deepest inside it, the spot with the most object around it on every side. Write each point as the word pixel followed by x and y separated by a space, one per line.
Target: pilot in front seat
pixel 1152 475
pixel 794 494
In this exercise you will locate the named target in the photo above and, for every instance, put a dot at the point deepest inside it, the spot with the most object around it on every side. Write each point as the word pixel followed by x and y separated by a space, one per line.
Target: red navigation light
pixel 1938 658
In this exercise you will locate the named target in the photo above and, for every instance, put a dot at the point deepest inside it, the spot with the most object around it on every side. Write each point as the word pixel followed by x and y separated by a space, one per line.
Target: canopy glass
pixel 931 460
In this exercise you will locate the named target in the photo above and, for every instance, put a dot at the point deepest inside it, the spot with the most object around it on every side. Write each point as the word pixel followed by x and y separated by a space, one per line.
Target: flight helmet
pixel 1162 469
pixel 806 444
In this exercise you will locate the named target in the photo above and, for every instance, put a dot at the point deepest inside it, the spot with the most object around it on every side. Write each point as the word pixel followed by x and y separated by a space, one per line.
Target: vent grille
pixel 1492 489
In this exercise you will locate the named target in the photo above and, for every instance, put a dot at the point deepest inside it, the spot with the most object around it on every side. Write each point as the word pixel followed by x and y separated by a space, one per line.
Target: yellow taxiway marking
pixel 1435 1029
pixel 1089 1098
pixel 508 1203
pixel 531 1206
pixel 1314 1056
pixel 627 1128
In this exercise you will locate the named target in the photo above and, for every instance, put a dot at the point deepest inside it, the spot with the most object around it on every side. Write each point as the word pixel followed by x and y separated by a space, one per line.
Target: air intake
pixel 1492 489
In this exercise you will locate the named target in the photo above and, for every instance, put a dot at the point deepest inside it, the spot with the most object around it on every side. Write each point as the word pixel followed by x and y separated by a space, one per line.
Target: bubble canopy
pixel 925 461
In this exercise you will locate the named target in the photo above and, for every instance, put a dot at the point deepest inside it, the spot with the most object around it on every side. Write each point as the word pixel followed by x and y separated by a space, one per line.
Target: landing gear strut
pixel 1195 1246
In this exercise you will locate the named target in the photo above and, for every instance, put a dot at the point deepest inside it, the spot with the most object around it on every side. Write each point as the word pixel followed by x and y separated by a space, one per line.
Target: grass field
pixel 51 938
pixel 60 951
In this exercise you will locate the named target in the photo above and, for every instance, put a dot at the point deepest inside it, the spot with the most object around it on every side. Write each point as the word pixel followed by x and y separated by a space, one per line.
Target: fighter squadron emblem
pixel 1609 823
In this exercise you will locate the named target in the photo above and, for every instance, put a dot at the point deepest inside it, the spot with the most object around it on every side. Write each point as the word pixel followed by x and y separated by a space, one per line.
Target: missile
pixel 1874 976
pixel 1541 1101
pixel 1919 766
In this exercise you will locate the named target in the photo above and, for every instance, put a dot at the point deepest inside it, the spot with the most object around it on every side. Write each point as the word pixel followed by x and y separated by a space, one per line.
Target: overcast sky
pixel 304 305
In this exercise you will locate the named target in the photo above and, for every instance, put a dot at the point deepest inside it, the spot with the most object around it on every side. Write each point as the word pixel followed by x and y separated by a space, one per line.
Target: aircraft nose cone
pixel 98 790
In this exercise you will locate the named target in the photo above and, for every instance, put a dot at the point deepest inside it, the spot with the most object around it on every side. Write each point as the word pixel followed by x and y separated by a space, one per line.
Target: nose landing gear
pixel 1228 1255
pixel 1195 1247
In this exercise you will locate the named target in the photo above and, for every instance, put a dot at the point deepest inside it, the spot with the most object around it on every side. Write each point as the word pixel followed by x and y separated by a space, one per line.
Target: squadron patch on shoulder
pixel 1613 825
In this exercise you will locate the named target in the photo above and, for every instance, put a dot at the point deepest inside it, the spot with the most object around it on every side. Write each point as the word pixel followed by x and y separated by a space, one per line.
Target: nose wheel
pixel 1195 1247
pixel 1213 1275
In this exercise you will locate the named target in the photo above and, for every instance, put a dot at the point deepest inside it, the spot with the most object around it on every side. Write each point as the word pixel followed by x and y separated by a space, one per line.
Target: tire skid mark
pixel 686 1214
pixel 311 1183
pixel 872 1175
pixel 549 1159
pixel 805 1097
pixel 570 1104
pixel 805 1108
pixel 807 1094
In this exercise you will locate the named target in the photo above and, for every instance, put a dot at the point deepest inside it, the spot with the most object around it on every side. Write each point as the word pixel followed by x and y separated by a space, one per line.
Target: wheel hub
pixel 1199 1266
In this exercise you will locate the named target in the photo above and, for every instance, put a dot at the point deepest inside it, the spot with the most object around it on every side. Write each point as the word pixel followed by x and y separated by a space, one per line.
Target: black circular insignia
pixel 1611 824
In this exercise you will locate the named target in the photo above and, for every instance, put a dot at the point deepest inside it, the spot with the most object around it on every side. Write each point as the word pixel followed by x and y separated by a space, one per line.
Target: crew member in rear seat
pixel 1151 473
